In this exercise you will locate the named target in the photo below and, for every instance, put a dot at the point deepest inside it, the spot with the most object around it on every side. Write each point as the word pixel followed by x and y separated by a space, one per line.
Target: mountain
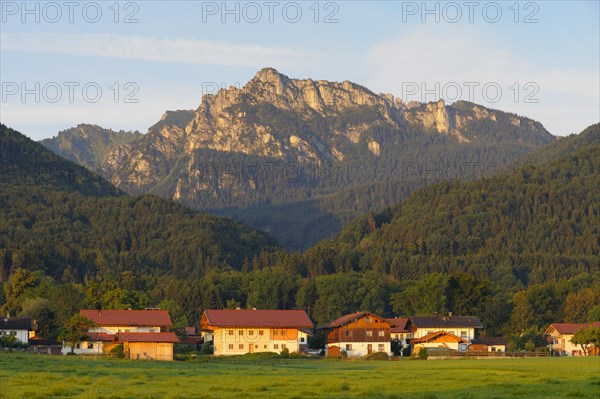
pixel 319 152
pixel 63 220
pixel 535 225
pixel 88 145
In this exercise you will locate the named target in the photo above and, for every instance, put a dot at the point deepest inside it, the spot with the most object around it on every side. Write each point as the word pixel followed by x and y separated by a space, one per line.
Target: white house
pixel 22 328
pixel 236 332
pixel 108 323
pixel 560 335
pixel 358 334
pixel 453 332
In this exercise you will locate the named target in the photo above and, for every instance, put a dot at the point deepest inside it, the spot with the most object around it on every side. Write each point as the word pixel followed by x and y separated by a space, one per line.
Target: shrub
pixel 378 356
pixel 423 354
pixel 207 348
pixel 285 353
pixel 344 354
pixel 118 351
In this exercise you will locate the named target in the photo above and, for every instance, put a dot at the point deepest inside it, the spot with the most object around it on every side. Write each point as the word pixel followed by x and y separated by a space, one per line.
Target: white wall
pixel 469 332
pixel 118 329
pixel 361 348
pixel 83 348
pixel 22 335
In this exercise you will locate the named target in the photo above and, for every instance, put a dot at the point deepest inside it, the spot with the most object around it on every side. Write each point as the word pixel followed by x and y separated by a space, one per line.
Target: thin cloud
pixel 189 51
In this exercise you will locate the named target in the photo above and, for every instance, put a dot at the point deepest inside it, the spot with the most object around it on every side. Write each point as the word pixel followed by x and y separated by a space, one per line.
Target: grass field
pixel 39 376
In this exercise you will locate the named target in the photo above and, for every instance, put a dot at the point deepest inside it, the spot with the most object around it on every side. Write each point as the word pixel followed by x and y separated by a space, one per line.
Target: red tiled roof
pixel 398 325
pixel 100 336
pixel 571 328
pixel 258 318
pixel 490 341
pixel 147 337
pixel 158 318
pixel 349 317
pixel 428 337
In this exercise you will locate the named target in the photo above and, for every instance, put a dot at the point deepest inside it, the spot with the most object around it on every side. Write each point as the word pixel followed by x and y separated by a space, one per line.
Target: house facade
pixel 235 332
pixel 22 328
pixel 488 344
pixel 452 332
pixel 358 334
pixel 560 335
pixel 111 328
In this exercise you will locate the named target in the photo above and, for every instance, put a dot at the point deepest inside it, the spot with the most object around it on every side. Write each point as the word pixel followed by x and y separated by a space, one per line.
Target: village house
pixel 452 332
pixel 560 335
pixel 399 330
pixel 358 334
pixel 235 332
pixel 142 333
pixel 488 344
pixel 22 328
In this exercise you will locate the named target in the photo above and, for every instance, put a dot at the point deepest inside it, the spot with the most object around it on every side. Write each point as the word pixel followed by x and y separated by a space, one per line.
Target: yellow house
pixel 235 332
pixel 560 335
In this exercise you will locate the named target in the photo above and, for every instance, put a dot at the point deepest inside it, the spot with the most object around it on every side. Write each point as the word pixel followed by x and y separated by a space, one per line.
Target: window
pixel 265 346
pixel 348 333
pixel 261 332
pixel 348 347
pixel 77 346
pixel 241 332
pixel 90 345
pixel 301 339
pixel 241 346
pixel 463 334
pixel 276 346
pixel 250 332
pixel 231 346
pixel 368 319
pixel 493 349
pixel 369 333
pixel 275 332
pixel 381 348
pixel 282 332
pixel 451 332
pixel 283 346
pixel 381 333
pixel 230 332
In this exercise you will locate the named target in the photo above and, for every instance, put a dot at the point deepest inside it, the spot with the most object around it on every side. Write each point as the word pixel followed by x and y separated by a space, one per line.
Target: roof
pixel 147 337
pixel 570 328
pixel 347 318
pixel 258 318
pixel 16 323
pixel 434 335
pixel 445 322
pixel 399 325
pixel 190 330
pixel 490 341
pixel 158 318
pixel 100 336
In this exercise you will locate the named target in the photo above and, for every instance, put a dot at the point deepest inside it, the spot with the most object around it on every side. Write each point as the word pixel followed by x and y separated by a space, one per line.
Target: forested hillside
pixel 519 250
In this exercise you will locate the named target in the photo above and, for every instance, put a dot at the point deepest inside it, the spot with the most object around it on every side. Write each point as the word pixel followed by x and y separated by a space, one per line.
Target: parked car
pixel 314 352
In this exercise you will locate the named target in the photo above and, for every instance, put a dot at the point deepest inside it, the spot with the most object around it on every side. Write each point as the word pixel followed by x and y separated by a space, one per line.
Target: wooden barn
pixel 150 346
pixel 359 334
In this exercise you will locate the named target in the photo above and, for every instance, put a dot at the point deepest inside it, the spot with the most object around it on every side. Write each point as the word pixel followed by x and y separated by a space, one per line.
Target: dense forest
pixel 519 249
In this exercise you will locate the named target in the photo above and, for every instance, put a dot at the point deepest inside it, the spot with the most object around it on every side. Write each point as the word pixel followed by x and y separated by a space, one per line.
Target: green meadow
pixel 40 376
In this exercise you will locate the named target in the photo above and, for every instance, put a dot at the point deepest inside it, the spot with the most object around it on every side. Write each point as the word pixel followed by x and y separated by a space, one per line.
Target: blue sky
pixel 538 59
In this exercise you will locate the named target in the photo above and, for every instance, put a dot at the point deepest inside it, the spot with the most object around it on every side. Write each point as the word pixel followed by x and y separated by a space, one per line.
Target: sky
pixel 122 64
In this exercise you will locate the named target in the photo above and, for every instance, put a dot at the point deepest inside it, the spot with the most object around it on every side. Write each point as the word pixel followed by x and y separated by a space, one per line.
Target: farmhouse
pixel 141 332
pixel 453 332
pixel 22 328
pixel 358 334
pixel 560 335
pixel 235 332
